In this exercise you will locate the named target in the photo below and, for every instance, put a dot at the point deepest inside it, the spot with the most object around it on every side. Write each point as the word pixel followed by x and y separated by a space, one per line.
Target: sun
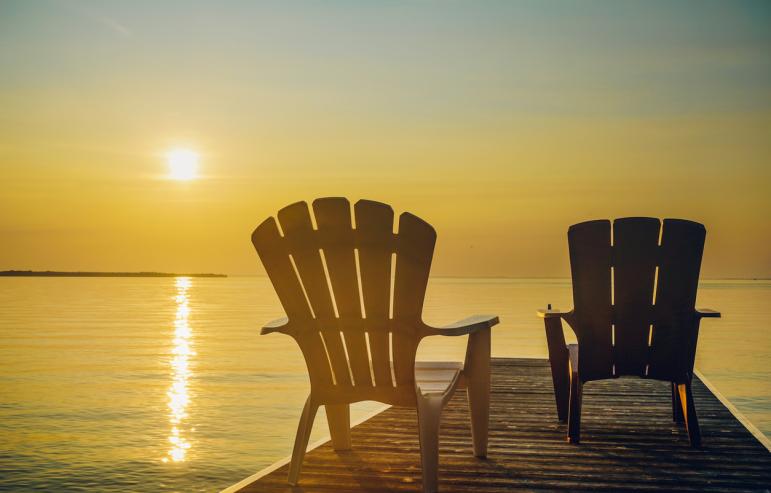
pixel 183 164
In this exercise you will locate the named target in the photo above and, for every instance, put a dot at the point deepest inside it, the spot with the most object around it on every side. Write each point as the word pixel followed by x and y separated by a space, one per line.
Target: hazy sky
pixel 500 123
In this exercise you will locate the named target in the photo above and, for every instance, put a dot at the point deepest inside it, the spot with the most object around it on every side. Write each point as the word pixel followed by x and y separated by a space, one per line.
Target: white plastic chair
pixel 354 296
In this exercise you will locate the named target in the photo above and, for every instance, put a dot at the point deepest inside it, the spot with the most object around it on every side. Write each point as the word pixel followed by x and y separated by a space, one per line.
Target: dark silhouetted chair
pixel 354 295
pixel 634 295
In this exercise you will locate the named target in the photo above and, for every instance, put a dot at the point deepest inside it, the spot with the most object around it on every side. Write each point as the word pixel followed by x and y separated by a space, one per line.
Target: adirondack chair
pixel 353 295
pixel 634 294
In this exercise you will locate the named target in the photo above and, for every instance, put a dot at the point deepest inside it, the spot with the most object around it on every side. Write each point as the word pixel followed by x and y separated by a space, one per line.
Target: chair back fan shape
pixel 353 292
pixel 634 294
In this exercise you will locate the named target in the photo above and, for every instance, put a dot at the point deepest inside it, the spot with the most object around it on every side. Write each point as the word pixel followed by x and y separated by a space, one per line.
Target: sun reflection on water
pixel 179 396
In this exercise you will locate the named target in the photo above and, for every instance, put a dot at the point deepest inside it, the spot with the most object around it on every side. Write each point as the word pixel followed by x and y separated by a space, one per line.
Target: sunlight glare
pixel 183 164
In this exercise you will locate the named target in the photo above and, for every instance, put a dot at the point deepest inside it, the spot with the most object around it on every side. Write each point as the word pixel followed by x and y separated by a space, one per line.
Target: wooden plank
pixel 629 443
pixel 286 460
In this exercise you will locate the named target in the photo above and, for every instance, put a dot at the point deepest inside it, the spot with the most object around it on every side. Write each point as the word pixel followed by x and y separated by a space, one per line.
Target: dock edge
pixel 276 465
pixel 759 435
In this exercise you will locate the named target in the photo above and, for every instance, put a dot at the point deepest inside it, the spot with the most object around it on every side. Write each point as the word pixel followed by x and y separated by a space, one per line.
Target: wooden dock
pixel 628 443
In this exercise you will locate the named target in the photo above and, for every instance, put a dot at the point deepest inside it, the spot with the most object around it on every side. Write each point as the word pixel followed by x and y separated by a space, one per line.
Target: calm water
pixel 122 384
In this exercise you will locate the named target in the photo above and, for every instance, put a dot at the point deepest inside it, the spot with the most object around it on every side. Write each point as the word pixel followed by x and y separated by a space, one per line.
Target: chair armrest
pixel 466 326
pixel 279 325
pixel 553 313
pixel 707 313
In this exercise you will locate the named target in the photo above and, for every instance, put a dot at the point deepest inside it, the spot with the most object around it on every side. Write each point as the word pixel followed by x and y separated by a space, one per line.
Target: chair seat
pixel 437 377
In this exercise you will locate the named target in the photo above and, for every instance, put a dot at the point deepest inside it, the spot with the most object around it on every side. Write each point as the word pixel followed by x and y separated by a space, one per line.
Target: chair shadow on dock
pixel 361 472
pixel 630 443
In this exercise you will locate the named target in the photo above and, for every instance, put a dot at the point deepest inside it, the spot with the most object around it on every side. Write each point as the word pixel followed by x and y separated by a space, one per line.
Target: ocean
pixel 164 384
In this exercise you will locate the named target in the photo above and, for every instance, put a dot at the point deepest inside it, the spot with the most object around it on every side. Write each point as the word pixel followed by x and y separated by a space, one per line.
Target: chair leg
pixel 429 413
pixel 301 440
pixel 558 360
pixel 677 410
pixel 689 410
pixel 339 420
pixel 574 410
pixel 477 373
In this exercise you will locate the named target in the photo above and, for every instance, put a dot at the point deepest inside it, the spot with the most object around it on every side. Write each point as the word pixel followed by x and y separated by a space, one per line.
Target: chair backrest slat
pixel 324 276
pixel 634 298
pixel 414 252
pixel 303 245
pixel 336 236
pixel 274 255
pixel 374 228
pixel 590 255
pixel 635 254
pixel 674 337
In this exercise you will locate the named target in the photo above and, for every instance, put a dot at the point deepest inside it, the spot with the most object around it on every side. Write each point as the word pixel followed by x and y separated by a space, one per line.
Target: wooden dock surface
pixel 629 443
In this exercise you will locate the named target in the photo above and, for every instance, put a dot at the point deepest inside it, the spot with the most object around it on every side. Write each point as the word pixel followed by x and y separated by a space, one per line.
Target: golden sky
pixel 500 123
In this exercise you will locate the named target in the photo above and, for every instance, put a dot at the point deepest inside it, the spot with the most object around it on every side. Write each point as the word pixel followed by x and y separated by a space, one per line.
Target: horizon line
pixel 109 273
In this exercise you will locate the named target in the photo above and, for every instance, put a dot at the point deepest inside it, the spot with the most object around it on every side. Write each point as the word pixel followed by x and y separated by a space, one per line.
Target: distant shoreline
pixel 53 273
